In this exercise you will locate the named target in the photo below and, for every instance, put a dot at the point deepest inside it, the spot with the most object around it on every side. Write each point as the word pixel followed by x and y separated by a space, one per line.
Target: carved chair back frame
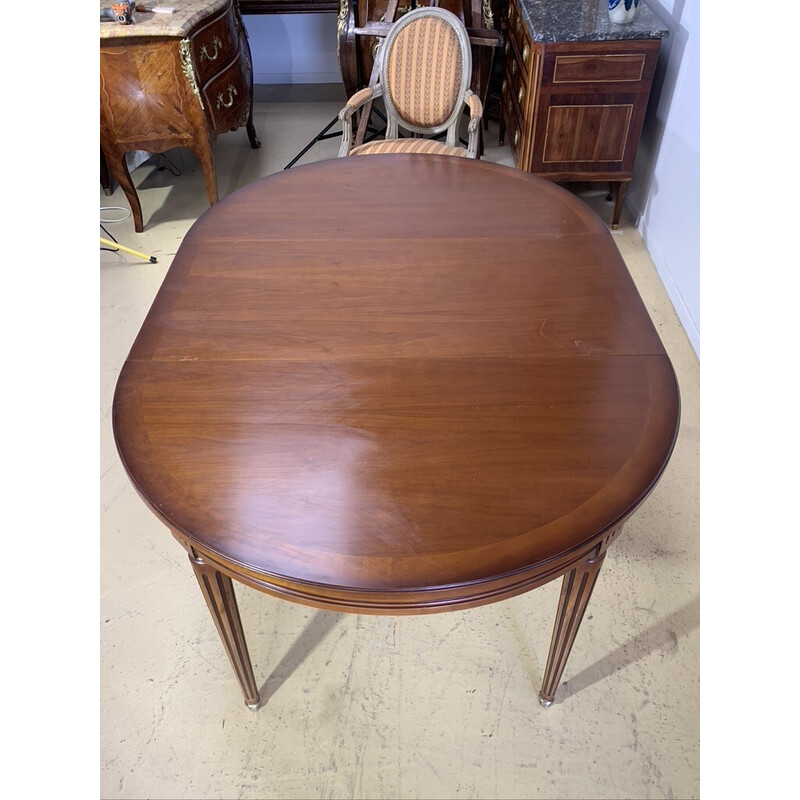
pixel 393 117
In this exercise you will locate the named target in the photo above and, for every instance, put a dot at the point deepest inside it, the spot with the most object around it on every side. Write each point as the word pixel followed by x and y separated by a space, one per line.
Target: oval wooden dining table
pixel 396 384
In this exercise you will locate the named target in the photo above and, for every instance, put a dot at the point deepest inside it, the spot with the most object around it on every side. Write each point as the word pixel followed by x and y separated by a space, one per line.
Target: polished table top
pixel 396 384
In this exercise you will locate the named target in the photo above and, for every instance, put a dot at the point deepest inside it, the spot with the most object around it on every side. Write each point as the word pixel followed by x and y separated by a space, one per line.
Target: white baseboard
pixel 678 303
pixel 296 77
pixel 300 93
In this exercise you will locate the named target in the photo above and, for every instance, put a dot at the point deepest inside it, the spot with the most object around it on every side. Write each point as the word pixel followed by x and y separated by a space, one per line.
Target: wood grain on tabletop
pixel 395 373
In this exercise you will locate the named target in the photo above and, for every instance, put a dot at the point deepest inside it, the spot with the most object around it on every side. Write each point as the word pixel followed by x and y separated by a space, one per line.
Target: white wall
pixel 293 48
pixel 665 191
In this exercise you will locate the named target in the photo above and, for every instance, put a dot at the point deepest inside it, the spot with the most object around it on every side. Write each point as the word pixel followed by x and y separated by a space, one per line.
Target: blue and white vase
pixel 622 12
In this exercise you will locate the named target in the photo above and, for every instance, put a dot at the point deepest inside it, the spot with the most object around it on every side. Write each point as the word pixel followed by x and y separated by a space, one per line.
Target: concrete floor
pixel 439 706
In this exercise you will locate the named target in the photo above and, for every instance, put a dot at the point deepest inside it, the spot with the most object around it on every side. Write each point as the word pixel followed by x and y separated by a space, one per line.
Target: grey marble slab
pixel 585 21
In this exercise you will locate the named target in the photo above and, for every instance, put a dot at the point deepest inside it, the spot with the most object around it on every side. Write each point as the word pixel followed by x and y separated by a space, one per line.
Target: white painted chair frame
pixel 465 95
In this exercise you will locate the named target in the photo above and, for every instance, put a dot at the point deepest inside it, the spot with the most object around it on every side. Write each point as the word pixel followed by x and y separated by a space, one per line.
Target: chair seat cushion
pixel 407 146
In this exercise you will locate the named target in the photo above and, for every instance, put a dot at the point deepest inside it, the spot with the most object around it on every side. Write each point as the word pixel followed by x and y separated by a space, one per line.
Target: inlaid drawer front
pixel 615 68
pixel 524 55
pixel 138 97
pixel 516 72
pixel 517 32
pixel 214 45
pixel 511 123
pixel 227 95
pixel 515 126
pixel 515 140
pixel 586 133
pixel 511 88
pixel 245 57
pixel 520 34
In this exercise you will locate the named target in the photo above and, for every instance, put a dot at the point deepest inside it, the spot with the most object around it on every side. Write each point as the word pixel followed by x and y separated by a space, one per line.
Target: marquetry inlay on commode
pixel 174 80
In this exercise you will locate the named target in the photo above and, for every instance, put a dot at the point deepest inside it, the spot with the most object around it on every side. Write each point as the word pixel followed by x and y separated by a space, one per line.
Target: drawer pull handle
pixel 521 95
pixel 526 51
pixel 514 67
pixel 516 138
pixel 232 92
pixel 506 47
pixel 217 43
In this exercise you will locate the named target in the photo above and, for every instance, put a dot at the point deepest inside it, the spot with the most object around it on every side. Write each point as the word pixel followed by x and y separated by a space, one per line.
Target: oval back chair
pixel 424 69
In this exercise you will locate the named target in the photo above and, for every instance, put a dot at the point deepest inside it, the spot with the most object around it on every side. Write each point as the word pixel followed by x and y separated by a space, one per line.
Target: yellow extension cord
pixel 151 259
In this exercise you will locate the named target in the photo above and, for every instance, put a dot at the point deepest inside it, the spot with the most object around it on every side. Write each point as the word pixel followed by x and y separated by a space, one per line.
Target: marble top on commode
pixel 147 23
pixel 585 21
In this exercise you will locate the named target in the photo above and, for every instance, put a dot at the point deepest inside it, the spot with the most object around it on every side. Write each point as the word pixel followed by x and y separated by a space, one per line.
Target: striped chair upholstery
pixel 423 71
pixel 424 68
pixel 407 146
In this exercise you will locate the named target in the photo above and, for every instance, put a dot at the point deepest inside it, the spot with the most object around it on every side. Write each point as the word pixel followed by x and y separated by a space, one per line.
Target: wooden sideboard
pixel 174 83
pixel 573 110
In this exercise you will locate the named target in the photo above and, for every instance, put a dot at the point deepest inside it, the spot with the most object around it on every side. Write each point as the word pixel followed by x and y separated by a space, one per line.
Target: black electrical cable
pixel 113 239
pixel 171 168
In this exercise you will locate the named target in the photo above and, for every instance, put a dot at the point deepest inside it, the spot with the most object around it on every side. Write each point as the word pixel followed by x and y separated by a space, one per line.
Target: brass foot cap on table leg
pixel 614 227
pixel 544 702
pixel 254 706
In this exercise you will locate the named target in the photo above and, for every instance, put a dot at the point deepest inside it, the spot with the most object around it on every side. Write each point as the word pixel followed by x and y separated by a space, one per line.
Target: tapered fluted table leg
pixel 218 591
pixel 576 590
